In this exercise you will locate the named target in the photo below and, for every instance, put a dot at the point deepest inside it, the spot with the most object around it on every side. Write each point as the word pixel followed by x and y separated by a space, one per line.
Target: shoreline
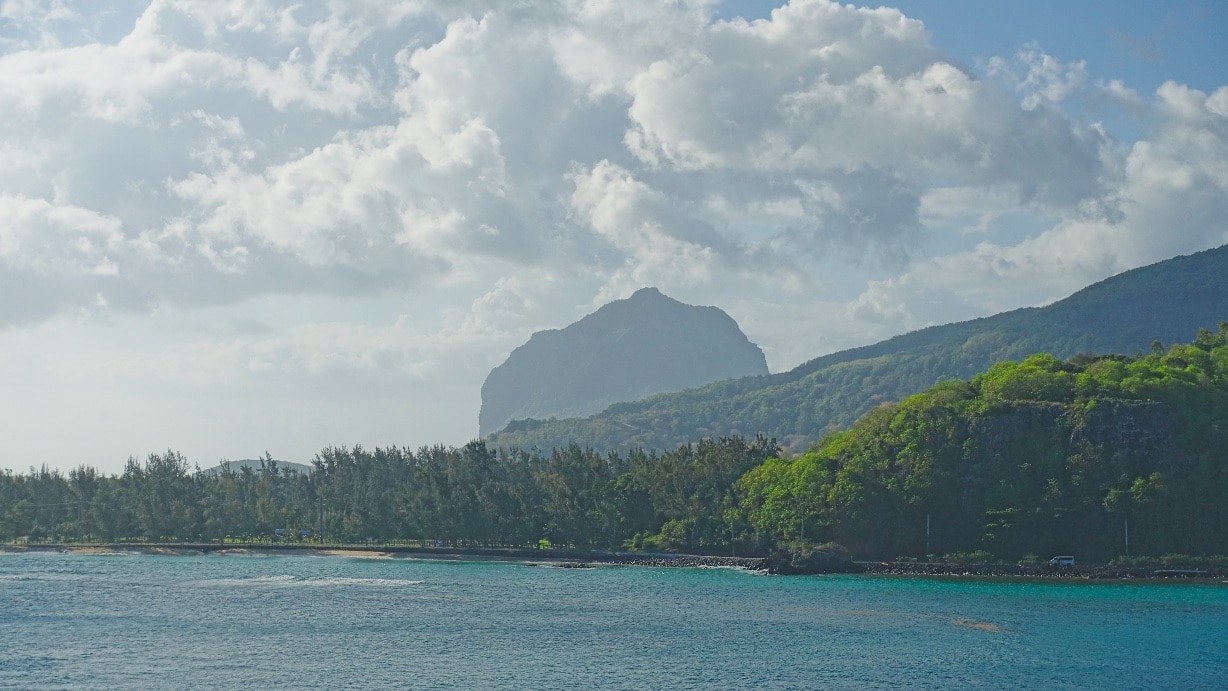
pixel 531 557
pixel 1099 573
pixel 585 559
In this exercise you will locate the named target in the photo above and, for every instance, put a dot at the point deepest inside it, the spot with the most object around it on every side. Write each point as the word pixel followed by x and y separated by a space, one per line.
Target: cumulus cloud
pixel 1173 199
pixel 472 171
pixel 53 256
pixel 849 113
pixel 294 141
pixel 657 239
pixel 1043 78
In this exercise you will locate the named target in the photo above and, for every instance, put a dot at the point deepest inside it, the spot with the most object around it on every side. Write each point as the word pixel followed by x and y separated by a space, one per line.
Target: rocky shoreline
pixel 686 561
pixel 1097 572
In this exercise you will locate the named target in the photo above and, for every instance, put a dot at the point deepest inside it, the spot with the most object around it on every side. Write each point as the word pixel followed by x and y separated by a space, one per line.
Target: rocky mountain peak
pixel 628 349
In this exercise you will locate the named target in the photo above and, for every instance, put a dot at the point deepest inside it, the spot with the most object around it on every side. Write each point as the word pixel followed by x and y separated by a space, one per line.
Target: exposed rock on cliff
pixel 628 349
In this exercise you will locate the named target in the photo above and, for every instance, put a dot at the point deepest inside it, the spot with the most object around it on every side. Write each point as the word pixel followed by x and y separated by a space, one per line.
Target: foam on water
pixel 372 582
pixel 43 577
pixel 288 580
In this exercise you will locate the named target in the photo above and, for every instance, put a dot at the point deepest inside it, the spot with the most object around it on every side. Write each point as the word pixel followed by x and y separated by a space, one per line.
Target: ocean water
pixel 142 621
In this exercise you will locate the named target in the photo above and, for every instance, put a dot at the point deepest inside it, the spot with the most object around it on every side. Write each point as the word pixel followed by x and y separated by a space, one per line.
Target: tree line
pixel 468 496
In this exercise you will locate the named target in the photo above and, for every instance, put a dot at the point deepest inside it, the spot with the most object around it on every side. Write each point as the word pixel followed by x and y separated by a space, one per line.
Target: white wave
pixel 286 580
pixel 374 582
pixel 260 580
pixel 44 577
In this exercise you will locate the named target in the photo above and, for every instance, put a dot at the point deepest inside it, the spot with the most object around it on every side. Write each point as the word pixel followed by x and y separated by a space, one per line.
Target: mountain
pixel 1168 301
pixel 626 350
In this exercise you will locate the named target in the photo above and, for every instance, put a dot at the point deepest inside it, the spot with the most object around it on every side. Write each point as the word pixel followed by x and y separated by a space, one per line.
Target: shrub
pixel 979 556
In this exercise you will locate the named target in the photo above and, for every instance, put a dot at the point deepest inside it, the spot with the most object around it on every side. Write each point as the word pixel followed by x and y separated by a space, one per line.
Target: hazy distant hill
pixel 624 351
pixel 1168 301
pixel 254 464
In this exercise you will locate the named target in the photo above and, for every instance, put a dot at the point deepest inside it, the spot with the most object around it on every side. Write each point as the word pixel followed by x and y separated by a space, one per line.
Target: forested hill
pixel 1123 314
pixel 1096 456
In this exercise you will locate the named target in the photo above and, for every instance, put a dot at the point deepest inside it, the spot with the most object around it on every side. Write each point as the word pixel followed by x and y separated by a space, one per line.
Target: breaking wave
pixel 287 580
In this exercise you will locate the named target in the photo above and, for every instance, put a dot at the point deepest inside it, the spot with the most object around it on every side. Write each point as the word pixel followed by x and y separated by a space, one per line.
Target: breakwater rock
pixel 1095 572
pixel 684 561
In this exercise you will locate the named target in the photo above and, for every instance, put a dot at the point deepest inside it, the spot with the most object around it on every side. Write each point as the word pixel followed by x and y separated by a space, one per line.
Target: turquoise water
pixel 75 621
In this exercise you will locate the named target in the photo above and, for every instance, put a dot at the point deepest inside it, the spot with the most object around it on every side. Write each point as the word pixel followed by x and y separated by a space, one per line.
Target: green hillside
pixel 1123 314
pixel 1096 456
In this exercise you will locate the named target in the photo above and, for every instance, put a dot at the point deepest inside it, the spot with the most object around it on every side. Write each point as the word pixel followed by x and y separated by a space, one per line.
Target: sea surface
pixel 144 621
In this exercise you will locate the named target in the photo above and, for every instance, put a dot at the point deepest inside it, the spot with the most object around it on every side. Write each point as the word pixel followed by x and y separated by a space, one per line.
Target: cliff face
pixel 626 350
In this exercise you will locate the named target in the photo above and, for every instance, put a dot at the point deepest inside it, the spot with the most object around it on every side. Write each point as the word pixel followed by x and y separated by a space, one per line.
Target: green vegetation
pixel 471 496
pixel 1124 314
pixel 1039 456
pixel 1107 457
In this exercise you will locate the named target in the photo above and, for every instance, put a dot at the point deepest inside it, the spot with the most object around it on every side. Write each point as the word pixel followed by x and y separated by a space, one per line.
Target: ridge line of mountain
pixel 1125 313
pixel 625 350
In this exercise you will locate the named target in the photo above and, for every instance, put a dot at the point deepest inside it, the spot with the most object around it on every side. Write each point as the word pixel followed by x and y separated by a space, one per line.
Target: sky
pixel 234 228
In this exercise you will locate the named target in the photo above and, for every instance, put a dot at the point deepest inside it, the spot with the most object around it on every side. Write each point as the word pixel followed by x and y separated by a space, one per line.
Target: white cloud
pixel 31 23
pixel 1173 199
pixel 54 257
pixel 474 171
pixel 438 135
pixel 973 209
pixel 657 240
pixel 111 83
pixel 48 238
pixel 1045 79
pixel 37 11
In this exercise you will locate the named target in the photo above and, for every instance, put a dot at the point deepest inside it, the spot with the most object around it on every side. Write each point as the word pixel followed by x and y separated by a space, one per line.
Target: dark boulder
pixel 786 563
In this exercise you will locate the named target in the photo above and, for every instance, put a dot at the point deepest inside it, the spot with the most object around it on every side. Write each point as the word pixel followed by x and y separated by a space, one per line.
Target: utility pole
pixel 927 536
pixel 1127 521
